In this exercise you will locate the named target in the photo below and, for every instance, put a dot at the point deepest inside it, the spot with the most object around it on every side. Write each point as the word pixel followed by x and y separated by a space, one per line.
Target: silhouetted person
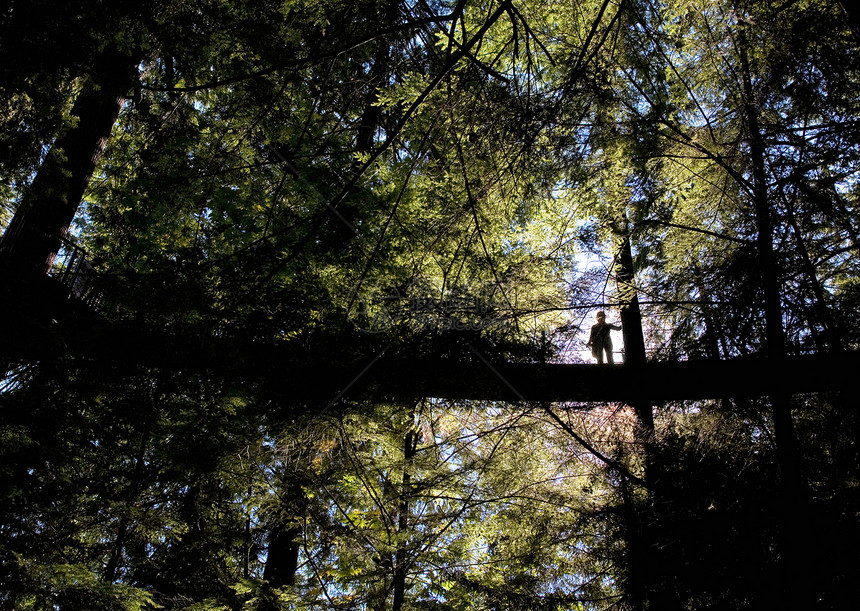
pixel 600 340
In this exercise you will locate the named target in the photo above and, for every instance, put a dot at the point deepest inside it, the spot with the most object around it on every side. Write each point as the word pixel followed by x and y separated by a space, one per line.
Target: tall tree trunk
pixel 48 206
pixel 794 595
pixel 637 553
pixel 282 559
pixel 126 525
pixel 631 329
pixel 645 577
pixel 410 443
pixel 821 310
pixel 852 16
pixel 380 72
pixel 715 340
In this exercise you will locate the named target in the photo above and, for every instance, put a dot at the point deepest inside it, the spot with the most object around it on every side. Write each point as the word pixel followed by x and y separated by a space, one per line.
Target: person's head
pixel 601 316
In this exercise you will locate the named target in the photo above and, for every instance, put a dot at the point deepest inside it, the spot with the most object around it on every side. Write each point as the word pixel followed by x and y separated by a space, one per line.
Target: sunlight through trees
pixel 297 295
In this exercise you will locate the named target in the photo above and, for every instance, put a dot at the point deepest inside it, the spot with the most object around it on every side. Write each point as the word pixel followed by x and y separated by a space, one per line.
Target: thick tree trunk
pixel 48 206
pixel 282 559
pixel 644 574
pixel 631 327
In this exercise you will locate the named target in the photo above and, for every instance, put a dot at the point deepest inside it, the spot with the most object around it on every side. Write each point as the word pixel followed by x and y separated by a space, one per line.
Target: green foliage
pixel 433 179
pixel 67 586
